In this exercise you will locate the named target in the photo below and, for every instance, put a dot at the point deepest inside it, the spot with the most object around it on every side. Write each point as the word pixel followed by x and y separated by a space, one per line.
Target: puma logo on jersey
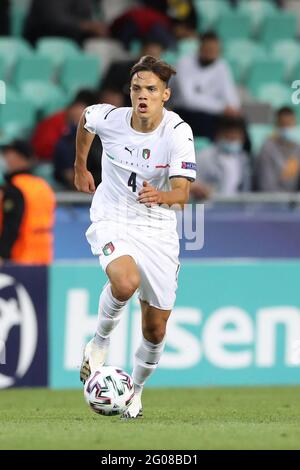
pixel 128 150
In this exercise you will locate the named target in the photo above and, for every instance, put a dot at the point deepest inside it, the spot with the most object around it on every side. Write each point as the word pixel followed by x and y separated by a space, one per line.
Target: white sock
pixel 146 361
pixel 109 315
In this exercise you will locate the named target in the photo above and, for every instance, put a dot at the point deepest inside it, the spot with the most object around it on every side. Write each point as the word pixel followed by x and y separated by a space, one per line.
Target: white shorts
pixel 155 253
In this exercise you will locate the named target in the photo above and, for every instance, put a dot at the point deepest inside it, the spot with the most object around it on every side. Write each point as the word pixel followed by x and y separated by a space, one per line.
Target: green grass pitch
pixel 216 418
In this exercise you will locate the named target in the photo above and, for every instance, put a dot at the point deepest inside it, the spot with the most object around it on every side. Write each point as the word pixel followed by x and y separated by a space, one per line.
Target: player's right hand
pixel 84 181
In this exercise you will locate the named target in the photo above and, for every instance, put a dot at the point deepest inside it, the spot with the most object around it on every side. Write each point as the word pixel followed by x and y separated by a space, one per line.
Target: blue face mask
pixel 230 147
pixel 288 133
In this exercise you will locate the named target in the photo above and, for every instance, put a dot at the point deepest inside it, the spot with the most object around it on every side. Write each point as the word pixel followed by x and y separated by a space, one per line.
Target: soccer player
pixel 148 162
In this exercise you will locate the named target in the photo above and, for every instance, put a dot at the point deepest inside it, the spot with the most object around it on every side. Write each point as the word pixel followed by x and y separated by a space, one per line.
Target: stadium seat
pixel 35 67
pixel 288 51
pixel 2 69
pixel 107 50
pixel 18 12
pixel 42 94
pixel 275 94
pixel 16 120
pixel 209 12
pixel 258 11
pixel 135 47
pixel 12 95
pixel 56 104
pixel 201 143
pixel 244 52
pixel 188 46
pixel 57 49
pixel 234 26
pixel 264 71
pixel 45 171
pixel 170 56
pixel 11 49
pixel 280 26
pixel 236 70
pixel 258 134
pixel 80 72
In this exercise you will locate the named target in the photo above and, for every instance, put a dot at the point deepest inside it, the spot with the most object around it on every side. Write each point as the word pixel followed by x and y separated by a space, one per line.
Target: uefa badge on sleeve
pixel 146 154
pixel 108 249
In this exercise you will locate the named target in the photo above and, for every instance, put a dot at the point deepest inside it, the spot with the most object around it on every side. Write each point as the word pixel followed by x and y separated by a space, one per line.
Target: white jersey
pixel 130 157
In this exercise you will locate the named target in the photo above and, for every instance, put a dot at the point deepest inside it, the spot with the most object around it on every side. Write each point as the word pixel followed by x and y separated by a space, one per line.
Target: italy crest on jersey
pixel 146 154
pixel 108 249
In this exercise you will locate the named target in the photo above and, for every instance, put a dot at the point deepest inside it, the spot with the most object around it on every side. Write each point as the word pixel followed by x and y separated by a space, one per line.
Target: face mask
pixel 230 147
pixel 289 133
pixel 206 62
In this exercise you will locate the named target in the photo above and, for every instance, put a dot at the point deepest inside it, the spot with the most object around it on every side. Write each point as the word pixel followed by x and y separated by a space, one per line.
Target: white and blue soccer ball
pixel 109 391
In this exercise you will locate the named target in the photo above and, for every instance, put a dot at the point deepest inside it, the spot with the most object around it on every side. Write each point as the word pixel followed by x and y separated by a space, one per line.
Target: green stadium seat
pixel 234 26
pixel 275 94
pixel 33 68
pixel 2 69
pixel 277 27
pixel 188 46
pixel 42 94
pixel 80 72
pixel 288 51
pixel 258 11
pixel 236 70
pixel 18 12
pixel 57 49
pixel 209 12
pixel 135 47
pixel 12 95
pixel 244 53
pixel 264 71
pixel 258 134
pixel 171 57
pixel 45 171
pixel 55 105
pixel 201 143
pixel 11 49
pixel 16 120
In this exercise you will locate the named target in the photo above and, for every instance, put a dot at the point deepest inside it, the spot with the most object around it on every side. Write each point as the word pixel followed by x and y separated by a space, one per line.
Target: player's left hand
pixel 149 195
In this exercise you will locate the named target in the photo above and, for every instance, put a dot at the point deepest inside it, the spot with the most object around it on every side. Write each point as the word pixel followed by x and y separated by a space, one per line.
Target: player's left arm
pixel 177 196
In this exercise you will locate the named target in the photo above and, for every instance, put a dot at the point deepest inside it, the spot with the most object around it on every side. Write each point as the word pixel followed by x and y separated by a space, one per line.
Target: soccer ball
pixel 109 391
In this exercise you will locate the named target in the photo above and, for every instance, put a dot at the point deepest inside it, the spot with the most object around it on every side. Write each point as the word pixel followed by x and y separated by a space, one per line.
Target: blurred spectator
pixel 204 88
pixel 117 76
pixel 4 17
pixel 278 164
pixel 48 131
pixel 64 154
pixel 182 14
pixel 74 19
pixel 223 168
pixel 143 23
pixel 27 210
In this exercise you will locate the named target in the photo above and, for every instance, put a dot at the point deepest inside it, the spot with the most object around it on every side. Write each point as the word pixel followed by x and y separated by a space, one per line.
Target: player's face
pixel 148 94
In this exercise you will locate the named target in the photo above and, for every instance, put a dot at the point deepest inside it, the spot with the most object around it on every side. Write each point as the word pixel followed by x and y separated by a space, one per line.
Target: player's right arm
pixel 83 179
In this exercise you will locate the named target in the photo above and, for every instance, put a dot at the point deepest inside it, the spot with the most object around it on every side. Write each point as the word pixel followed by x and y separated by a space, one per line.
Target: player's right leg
pixel 124 279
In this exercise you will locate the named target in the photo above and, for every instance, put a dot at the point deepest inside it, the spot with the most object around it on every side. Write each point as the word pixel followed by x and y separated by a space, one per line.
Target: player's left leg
pixel 154 322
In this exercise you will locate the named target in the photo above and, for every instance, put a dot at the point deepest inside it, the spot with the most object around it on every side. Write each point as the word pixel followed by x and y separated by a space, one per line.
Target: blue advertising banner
pixel 233 324
pixel 23 326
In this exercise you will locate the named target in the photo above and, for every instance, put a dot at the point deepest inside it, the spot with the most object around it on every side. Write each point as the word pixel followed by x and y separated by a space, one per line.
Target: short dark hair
pixel 209 36
pixel 22 147
pixel 285 110
pixel 85 97
pixel 160 68
pixel 226 124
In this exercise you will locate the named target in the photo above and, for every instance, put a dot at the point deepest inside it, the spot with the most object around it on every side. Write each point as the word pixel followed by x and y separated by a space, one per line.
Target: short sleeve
pixel 95 117
pixel 182 158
